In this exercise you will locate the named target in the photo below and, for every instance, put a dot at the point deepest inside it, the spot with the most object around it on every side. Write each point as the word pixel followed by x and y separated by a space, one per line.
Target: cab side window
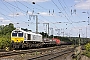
pixel 28 36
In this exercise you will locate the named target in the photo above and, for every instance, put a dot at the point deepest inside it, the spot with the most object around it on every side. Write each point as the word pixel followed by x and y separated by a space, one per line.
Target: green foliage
pixel 44 34
pixel 4 42
pixel 5 35
pixel 87 46
pixel 86 53
pixel 51 36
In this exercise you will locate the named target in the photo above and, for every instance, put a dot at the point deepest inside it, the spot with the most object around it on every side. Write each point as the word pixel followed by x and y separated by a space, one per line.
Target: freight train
pixel 23 39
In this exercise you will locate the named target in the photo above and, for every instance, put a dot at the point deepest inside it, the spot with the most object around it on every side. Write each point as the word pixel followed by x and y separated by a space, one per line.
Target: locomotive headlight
pixel 17 40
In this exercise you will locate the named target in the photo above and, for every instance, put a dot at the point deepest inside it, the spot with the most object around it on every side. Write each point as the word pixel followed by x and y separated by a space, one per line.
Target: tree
pixel 44 34
pixel 87 46
pixel 5 35
pixel 1 30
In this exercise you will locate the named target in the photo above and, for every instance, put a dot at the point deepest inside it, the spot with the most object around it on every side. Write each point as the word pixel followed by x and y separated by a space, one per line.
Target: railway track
pixel 52 55
pixel 16 52
pixel 42 51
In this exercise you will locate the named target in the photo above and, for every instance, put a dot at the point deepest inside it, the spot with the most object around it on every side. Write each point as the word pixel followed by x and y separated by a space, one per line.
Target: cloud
pixel 1 18
pixel 77 1
pixel 44 21
pixel 83 5
pixel 38 0
pixel 41 13
pixel 16 14
pixel 28 12
pixel 4 20
pixel 47 14
pixel 28 0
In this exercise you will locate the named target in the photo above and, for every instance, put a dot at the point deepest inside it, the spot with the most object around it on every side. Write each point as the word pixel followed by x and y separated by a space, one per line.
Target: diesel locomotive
pixel 23 39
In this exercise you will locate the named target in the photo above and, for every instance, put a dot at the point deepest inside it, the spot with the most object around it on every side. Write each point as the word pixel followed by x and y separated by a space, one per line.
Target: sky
pixel 67 17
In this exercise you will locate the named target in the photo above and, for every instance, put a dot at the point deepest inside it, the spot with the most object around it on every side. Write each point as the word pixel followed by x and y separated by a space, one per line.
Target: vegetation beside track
pixel 87 50
pixel 5 32
pixel 87 53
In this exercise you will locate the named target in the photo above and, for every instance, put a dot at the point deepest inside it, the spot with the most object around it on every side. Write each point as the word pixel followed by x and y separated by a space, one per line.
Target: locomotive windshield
pixel 20 34
pixel 17 34
pixel 14 34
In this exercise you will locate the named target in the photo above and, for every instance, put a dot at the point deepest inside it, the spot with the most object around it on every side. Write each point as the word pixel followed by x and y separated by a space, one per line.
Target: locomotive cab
pixel 17 36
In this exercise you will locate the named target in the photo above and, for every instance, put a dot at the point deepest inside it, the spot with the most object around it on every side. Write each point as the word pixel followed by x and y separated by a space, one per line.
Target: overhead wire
pixel 54 23
pixel 72 15
pixel 49 14
pixel 75 13
pixel 35 12
pixel 65 12
pixel 42 7
pixel 16 23
pixel 42 16
pixel 16 7
pixel 32 5
pixel 24 5
pixel 5 17
pixel 49 11
pixel 10 11
pixel 25 11
pixel 6 6
pixel 4 10
pixel 20 9
pixel 64 15
pixel 59 9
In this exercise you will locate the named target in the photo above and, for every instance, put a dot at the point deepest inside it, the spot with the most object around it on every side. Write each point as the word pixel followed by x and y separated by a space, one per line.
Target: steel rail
pixel 17 52
pixel 52 55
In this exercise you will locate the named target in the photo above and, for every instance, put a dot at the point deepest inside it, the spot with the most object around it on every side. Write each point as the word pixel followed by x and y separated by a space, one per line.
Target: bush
pixel 87 47
pixel 4 42
pixel 5 33
pixel 86 53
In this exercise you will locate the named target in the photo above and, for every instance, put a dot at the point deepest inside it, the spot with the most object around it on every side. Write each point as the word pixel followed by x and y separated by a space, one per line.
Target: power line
pixel 59 9
pixel 42 7
pixel 27 7
pixel 64 10
pixel 13 6
pixel 62 13
pixel 7 11
pixel 6 6
pixel 24 5
pixel 41 15
pixel 16 7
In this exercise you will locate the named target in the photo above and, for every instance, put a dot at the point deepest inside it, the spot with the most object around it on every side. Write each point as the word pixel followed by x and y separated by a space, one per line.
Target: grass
pixel 86 53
